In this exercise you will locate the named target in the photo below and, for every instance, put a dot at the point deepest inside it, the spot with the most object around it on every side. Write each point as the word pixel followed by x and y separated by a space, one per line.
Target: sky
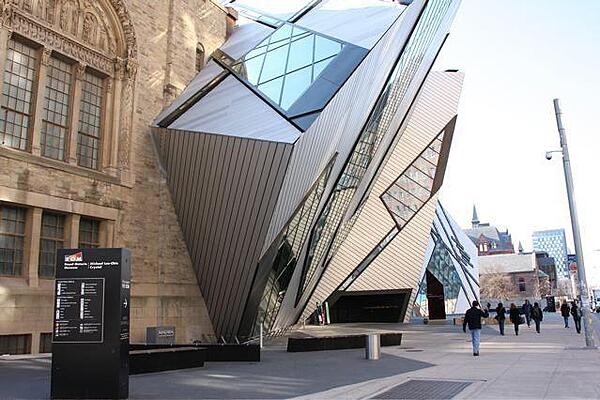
pixel 517 57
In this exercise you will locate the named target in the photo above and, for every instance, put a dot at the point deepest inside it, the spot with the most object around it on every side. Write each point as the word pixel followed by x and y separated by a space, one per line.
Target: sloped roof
pixel 506 263
pixel 489 232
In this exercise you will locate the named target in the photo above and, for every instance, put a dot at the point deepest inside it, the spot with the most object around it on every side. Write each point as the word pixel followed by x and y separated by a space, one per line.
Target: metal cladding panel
pixel 338 126
pixel 399 264
pixel 232 109
pixel 435 106
pixel 208 73
pixel 360 22
pixel 412 90
pixel 245 36
pixel 224 190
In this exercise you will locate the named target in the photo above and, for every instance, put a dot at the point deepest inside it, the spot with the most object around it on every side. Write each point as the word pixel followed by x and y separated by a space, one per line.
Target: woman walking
pixel 537 315
pixel 501 317
pixel 515 317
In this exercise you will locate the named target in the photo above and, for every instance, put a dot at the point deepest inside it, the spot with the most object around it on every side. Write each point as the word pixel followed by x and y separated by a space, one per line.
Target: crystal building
pixel 304 161
pixel 553 242
pixel 450 276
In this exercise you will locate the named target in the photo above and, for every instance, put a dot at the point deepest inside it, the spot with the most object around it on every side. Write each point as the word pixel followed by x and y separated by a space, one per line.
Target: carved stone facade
pixel 124 43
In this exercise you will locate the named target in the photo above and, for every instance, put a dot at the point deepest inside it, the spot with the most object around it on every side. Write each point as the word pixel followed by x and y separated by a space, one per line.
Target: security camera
pixel 548 155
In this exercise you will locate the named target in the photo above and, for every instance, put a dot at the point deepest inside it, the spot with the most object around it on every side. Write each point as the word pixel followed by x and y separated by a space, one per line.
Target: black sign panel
pixel 79 310
pixel 90 351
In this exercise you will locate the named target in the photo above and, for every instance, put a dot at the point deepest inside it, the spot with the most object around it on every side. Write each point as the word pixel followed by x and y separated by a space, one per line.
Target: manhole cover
pixel 424 389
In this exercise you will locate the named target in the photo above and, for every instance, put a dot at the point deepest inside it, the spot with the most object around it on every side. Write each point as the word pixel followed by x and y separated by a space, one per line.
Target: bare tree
pixel 545 287
pixel 495 286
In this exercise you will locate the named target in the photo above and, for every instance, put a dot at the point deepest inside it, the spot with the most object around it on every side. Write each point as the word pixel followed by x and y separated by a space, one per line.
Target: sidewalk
pixel 434 361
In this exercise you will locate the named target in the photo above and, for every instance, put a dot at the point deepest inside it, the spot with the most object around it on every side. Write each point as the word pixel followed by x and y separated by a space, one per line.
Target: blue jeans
pixel 501 326
pixel 476 339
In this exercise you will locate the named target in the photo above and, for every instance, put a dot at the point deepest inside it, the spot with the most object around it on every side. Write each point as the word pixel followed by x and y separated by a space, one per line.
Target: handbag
pixel 522 320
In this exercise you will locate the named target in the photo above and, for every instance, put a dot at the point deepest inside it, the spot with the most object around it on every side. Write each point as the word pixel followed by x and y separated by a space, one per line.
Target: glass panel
pixel 272 89
pixel 12 235
pixel 56 109
pixel 301 54
pixel 90 116
pixel 89 233
pixel 325 48
pixel 274 64
pixel 295 84
pixel 19 72
pixel 51 239
pixel 320 66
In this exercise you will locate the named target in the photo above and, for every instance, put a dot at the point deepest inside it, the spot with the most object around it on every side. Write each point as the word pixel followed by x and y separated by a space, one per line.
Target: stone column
pixel 31 247
pixel 74 121
pixel 38 97
pixel 107 233
pixel 72 231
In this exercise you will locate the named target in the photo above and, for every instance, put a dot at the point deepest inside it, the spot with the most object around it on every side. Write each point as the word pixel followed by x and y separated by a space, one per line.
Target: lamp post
pixel 583 292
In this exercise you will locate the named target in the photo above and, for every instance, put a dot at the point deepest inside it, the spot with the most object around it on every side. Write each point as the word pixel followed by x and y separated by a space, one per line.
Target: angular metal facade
pixel 276 159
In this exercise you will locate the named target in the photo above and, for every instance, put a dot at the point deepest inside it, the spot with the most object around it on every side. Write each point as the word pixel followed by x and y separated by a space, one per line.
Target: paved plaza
pixel 434 361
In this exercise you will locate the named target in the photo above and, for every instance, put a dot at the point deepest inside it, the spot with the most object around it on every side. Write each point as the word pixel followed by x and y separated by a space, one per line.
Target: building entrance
pixel 370 307
pixel 435 297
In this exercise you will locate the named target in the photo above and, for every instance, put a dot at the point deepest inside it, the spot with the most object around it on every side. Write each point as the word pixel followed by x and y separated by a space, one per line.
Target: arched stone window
pixel 68 72
pixel 200 55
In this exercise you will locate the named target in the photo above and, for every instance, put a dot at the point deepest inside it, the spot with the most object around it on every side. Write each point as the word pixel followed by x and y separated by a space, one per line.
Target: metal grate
pixel 424 389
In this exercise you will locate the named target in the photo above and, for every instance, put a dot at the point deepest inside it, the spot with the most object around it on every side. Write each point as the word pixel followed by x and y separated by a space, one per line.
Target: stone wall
pixel 138 206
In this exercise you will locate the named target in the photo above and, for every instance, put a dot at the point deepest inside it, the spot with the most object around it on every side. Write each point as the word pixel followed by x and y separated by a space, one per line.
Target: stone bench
pixel 339 342
pixel 156 360
pixel 215 352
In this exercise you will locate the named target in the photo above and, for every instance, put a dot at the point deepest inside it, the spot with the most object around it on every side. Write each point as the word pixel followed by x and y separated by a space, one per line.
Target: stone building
pixel 82 81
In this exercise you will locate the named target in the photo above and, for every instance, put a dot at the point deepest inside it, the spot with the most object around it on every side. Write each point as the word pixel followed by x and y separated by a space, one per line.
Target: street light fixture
pixel 583 292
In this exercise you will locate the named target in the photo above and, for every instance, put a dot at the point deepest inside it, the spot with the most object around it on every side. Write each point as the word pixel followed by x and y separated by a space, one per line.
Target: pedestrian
pixel 564 311
pixel 473 319
pixel 576 313
pixel 537 315
pixel 527 311
pixel 515 317
pixel 501 317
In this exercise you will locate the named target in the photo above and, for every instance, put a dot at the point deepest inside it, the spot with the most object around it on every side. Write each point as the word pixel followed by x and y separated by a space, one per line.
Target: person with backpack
pixel 537 315
pixel 564 311
pixel 515 317
pixel 576 313
pixel 473 320
pixel 501 317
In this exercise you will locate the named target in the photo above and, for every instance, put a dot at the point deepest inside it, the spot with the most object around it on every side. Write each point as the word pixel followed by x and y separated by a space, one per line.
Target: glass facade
pixel 56 109
pixel 379 121
pixel 405 197
pixel 12 237
pixel 51 239
pixel 90 117
pixel 287 256
pixel 17 92
pixel 285 64
pixel 553 242
pixel 89 233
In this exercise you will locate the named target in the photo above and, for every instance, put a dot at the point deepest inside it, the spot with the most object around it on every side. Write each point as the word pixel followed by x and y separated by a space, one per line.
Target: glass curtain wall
pixel 368 144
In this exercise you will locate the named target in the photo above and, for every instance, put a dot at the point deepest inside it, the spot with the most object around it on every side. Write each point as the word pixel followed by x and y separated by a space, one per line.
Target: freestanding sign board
pixel 90 338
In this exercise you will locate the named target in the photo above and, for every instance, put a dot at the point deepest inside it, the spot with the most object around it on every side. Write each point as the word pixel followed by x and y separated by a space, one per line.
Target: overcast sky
pixel 517 56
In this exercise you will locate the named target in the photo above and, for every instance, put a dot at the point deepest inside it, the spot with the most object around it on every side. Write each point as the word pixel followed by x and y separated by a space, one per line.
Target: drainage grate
pixel 424 389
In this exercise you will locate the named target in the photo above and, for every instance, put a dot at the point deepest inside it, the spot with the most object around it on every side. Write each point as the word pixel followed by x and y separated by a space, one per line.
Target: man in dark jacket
pixel 527 311
pixel 565 311
pixel 473 319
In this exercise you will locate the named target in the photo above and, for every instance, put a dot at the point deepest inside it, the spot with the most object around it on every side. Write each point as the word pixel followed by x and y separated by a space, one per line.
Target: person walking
pixel 564 311
pixel 501 317
pixel 537 315
pixel 515 317
pixel 473 320
pixel 576 313
pixel 527 311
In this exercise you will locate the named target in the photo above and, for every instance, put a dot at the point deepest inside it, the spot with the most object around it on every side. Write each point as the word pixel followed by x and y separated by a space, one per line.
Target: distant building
pixel 488 239
pixel 450 276
pixel 547 265
pixel 512 276
pixel 554 243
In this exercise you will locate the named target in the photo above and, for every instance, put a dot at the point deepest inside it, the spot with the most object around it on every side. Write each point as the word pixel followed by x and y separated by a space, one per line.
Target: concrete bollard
pixel 373 347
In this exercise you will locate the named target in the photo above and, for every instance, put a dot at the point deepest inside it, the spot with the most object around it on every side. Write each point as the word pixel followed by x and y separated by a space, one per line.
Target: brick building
pixel 82 82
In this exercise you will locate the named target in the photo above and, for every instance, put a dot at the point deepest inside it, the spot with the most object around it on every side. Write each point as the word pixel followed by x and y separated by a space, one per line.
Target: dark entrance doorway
pixel 435 297
pixel 369 306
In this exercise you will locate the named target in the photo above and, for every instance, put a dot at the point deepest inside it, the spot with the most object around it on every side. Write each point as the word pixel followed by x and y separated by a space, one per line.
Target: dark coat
pixel 564 310
pixel 537 314
pixel 515 316
pixel 473 318
pixel 576 312
pixel 527 308
pixel 501 313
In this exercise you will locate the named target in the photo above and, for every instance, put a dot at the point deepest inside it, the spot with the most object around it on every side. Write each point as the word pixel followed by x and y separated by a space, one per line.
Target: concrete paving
pixel 551 365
